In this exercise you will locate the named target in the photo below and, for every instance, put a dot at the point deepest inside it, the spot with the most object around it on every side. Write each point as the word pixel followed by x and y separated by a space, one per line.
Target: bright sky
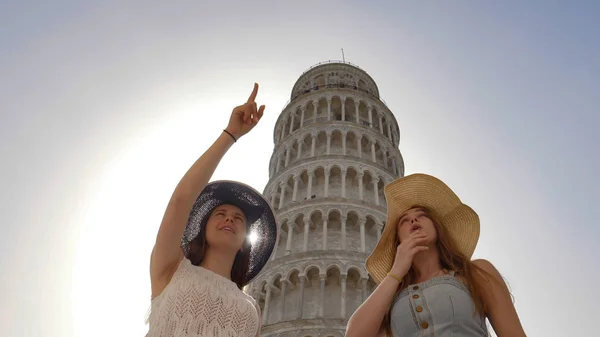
pixel 104 106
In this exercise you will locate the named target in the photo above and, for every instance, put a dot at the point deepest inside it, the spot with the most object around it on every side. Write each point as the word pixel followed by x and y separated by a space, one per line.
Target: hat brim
pixel 461 222
pixel 260 219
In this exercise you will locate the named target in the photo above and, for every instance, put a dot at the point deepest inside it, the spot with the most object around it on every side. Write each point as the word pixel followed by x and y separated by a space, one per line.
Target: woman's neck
pixel 219 262
pixel 427 264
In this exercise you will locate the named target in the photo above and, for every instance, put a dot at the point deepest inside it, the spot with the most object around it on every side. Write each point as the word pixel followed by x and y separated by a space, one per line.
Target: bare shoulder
pixel 488 267
pixel 489 276
pixel 485 265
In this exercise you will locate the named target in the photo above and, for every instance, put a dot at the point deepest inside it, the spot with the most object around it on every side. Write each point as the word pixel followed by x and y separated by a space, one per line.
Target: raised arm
pixel 167 253
pixel 368 318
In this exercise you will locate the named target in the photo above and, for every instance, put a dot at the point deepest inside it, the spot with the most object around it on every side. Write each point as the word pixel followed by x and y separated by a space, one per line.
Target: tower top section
pixel 334 74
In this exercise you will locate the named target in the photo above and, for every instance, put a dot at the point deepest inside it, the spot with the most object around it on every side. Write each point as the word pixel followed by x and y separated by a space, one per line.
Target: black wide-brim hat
pixel 260 219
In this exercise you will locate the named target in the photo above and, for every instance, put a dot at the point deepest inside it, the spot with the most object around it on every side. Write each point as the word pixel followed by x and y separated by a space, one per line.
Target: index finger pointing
pixel 253 94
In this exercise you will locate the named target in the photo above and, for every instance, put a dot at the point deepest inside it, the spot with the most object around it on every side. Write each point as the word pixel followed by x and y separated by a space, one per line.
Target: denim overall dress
pixel 440 307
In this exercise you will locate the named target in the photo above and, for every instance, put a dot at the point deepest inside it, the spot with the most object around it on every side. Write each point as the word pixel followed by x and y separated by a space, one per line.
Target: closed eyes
pixel 420 214
pixel 236 217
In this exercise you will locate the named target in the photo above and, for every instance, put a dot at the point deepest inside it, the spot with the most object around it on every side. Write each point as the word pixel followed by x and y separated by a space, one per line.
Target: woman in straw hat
pixel 427 283
pixel 203 256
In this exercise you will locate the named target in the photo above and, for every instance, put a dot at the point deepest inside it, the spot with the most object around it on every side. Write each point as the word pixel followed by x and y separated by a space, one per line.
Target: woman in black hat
pixel 203 256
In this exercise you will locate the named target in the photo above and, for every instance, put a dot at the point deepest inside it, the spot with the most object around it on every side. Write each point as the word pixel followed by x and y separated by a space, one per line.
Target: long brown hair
pixel 450 259
pixel 241 263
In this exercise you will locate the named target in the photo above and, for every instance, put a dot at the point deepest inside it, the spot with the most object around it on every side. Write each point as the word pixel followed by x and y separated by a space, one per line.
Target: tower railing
pixel 334 86
pixel 329 62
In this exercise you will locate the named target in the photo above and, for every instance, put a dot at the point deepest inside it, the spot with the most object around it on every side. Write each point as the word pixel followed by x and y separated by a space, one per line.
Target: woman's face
pixel 416 220
pixel 226 228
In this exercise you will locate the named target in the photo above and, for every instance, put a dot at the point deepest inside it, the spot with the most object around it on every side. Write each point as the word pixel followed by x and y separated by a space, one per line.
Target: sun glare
pixel 120 228
pixel 253 237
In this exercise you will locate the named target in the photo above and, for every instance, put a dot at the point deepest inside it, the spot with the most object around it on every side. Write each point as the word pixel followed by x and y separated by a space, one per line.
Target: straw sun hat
pixel 460 221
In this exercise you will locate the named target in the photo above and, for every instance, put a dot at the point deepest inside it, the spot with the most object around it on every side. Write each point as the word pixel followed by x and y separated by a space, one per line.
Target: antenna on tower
pixel 343 57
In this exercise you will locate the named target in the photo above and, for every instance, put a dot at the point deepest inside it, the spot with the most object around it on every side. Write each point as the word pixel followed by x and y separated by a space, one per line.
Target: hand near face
pixel 406 251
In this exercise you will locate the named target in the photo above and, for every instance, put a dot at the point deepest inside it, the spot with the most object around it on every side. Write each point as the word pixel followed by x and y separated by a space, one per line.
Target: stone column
pixel 282 195
pixel 381 124
pixel 344 220
pixel 364 289
pixel 376 190
pixel 356 106
pixel 299 154
pixel 325 234
pixel 278 164
pixel 343 183
pixel 361 223
pixel 373 156
pixel 326 187
pixel 329 109
pixel 265 313
pixel 301 309
pixel 323 278
pixel 303 109
pixel 344 135
pixel 360 185
pixel 390 131
pixel 276 245
pixel 328 143
pixel 316 106
pixel 343 304
pixel 282 132
pixel 295 193
pixel 283 288
pixel 378 232
pixel 359 145
pixel 306 228
pixel 371 116
pixel 385 163
pixel 287 156
pixel 273 198
pixel 343 110
pixel 290 233
pixel 292 122
pixel 313 145
pixel 311 175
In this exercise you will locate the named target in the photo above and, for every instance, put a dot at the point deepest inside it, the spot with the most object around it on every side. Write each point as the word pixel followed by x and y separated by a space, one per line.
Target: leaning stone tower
pixel 336 146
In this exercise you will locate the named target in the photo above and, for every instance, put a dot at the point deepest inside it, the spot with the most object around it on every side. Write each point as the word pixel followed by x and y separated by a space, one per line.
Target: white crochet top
pixel 200 303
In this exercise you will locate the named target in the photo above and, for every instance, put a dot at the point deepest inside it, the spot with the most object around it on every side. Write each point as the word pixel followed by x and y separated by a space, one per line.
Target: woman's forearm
pixel 366 320
pixel 199 174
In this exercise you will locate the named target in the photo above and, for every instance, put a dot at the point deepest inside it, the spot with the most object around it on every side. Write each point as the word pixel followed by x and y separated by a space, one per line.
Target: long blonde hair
pixel 450 259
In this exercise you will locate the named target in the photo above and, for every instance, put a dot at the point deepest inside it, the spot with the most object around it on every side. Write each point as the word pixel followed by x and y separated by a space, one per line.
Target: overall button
pixel 415 296
pixel 416 288
pixel 425 325
pixel 419 308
